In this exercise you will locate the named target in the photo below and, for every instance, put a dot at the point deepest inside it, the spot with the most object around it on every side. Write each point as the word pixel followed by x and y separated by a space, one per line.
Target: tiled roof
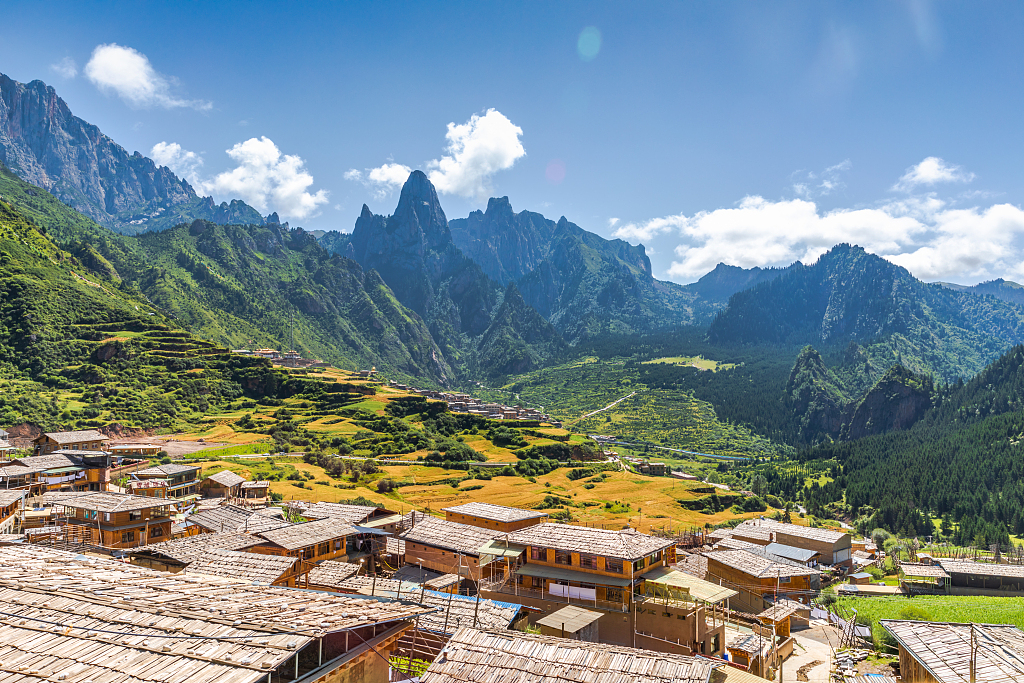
pixel 1010 571
pixel 8 497
pixel 625 544
pixel 353 514
pixel 813 533
pixel 496 513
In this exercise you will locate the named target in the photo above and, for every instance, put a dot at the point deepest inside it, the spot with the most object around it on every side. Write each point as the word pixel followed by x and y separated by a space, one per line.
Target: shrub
pixel 589 486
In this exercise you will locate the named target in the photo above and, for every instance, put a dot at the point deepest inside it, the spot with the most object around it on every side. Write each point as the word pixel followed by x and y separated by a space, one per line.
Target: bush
pixel 876 573
pixel 915 613
pixel 472 487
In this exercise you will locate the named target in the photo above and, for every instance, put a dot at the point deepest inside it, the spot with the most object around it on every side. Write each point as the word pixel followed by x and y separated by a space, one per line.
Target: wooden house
pixel 833 547
pixel 496 517
pixel 860 579
pixel 87 440
pixel 185 628
pixel 6 449
pixel 154 488
pixel 759 580
pixel 598 567
pixel 935 652
pixel 572 622
pixel 11 502
pixel 447 547
pixel 505 656
pixel 255 491
pixel 15 476
pixel 134 450
pixel 122 521
pixel 312 542
pixel 223 484
pixel 182 480
pixel 58 472
pixel 225 518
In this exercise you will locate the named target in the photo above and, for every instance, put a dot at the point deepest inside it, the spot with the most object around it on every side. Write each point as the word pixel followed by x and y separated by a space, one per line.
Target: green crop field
pixel 951 608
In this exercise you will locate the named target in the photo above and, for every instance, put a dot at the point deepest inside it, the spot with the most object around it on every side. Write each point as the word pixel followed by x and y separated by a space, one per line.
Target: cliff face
pixel 45 144
pixel 813 392
pixel 413 251
pixel 900 399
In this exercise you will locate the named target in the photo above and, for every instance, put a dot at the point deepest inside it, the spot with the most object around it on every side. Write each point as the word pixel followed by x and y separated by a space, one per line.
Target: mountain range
pixel 46 145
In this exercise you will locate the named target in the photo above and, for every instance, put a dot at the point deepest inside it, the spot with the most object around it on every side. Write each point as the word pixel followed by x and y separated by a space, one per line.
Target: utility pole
pixel 974 654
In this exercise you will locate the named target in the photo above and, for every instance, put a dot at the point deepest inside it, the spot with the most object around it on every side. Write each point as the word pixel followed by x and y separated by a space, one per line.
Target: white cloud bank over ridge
pixel 128 73
pixel 263 177
pixel 929 236
pixel 476 150
pixel 931 171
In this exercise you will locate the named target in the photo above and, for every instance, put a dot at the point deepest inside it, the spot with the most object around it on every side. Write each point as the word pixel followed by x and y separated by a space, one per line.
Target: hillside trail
pixel 610 405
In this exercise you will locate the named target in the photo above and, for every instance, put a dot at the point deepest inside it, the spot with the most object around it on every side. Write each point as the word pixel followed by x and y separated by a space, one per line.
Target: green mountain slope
pixel 518 340
pixel 961 461
pixel 850 295
pixel 247 285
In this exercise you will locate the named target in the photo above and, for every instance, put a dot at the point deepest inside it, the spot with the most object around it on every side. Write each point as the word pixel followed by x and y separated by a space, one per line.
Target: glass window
pixel 613 564
pixel 563 557
pixel 613 594
pixel 638 565
pixel 538 554
pixel 588 561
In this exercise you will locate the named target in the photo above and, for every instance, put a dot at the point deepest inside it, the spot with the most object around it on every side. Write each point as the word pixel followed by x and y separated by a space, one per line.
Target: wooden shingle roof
pixel 297 536
pixel 76 437
pixel 439 533
pixel 503 656
pixel 944 650
pixel 495 513
pixel 188 548
pixel 1009 571
pixel 625 544
pixel 813 533
pixel 101 620
pixel 758 565
pixel 227 478
pixel 248 567
pixel 168 470
pixel 115 502
pixel 331 573
pixel 353 514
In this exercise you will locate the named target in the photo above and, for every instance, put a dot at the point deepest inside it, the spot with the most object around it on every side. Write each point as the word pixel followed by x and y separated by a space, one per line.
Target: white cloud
pixel 648 230
pixel 810 184
pixel 263 177
pixel 128 73
pixel 186 164
pixel 267 179
pixel 65 68
pixel 931 171
pixel 382 180
pixel 612 222
pixel 477 150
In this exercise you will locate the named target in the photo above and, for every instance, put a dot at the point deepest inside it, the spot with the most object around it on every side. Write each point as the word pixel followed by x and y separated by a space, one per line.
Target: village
pixel 141 565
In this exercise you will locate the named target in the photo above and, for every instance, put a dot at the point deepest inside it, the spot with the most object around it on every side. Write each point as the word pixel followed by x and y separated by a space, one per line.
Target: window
pixel 656 558
pixel 323 548
pixel 613 565
pixel 785 579
pixel 588 561
pixel 127 537
pixel 538 582
pixel 613 594
pixel 563 557
pixel 638 565
pixel 538 554
pixel 156 532
pixel 134 515
pixel 337 544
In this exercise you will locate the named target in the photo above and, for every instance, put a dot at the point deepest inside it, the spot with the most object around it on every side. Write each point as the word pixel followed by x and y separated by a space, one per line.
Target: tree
pixel 758 485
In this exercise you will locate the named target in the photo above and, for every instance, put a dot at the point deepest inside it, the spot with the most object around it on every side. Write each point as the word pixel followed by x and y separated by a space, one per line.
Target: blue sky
pixel 749 133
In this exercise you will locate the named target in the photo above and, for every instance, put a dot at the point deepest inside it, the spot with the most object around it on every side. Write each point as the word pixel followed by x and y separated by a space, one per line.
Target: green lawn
pixel 953 608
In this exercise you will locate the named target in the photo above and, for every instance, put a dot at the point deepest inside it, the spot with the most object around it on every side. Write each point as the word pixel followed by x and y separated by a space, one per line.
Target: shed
pixel 572 622
pixel 224 484
pixel 777 615
pixel 860 578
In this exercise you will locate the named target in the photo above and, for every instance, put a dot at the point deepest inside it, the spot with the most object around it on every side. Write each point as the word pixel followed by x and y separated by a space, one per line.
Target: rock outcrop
pixel 46 145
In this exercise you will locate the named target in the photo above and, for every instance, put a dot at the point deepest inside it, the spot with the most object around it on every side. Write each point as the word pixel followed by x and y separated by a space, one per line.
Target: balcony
pixel 505 588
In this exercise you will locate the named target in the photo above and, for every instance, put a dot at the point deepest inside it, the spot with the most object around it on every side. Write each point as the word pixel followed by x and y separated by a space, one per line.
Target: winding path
pixel 610 405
